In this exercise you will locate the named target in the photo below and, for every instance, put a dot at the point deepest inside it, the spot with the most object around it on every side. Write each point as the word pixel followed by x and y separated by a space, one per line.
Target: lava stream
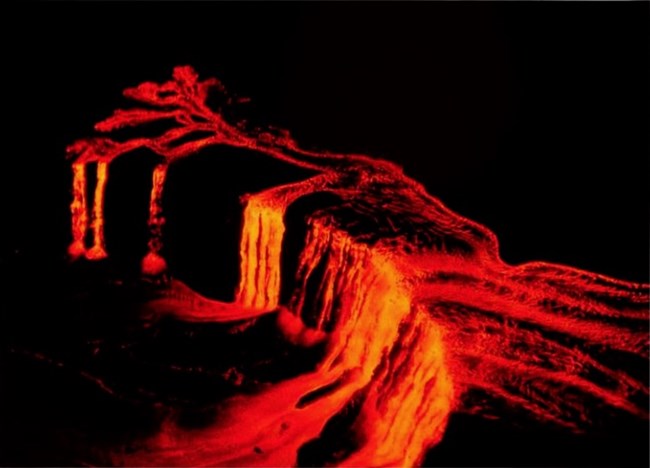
pixel 411 303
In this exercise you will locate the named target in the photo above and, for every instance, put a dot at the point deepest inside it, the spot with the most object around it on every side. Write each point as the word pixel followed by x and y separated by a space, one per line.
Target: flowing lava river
pixel 364 315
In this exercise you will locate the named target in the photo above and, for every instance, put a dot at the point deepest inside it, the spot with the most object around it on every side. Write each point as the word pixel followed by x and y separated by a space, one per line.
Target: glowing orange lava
pixel 413 306
pixel 98 250
pixel 153 264
pixel 260 250
pixel 79 211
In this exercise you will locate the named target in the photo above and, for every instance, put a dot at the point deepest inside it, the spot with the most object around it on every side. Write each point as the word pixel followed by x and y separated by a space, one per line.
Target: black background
pixel 530 118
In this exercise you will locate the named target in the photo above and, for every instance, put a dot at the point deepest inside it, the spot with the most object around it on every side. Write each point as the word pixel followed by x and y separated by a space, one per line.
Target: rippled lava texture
pixel 365 313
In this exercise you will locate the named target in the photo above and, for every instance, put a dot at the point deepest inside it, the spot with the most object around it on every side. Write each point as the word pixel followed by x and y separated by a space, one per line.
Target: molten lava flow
pixel 261 244
pixel 408 402
pixel 413 312
pixel 98 250
pixel 153 264
pixel 79 211
pixel 373 346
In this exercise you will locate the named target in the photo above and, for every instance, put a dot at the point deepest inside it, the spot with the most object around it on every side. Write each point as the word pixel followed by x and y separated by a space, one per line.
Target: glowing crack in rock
pixel 414 309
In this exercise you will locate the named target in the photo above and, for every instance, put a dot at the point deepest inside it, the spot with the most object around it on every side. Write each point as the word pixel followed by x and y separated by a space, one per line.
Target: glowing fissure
pixel 413 309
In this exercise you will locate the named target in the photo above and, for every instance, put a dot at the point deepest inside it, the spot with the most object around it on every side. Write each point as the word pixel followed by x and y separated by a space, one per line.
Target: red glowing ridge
pixel 415 308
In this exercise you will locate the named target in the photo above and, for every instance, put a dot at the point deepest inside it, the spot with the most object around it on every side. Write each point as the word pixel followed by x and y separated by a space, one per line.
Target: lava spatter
pixel 411 303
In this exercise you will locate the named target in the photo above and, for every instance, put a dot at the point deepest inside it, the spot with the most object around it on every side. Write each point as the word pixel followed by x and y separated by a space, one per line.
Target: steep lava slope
pixel 407 306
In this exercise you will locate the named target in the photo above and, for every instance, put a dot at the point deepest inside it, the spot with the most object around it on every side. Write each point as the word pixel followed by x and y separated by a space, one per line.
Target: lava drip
pixel 98 250
pixel 153 264
pixel 260 249
pixel 79 211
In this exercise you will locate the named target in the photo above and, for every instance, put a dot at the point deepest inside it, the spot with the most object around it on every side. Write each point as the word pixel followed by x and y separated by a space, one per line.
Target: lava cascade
pixel 414 309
